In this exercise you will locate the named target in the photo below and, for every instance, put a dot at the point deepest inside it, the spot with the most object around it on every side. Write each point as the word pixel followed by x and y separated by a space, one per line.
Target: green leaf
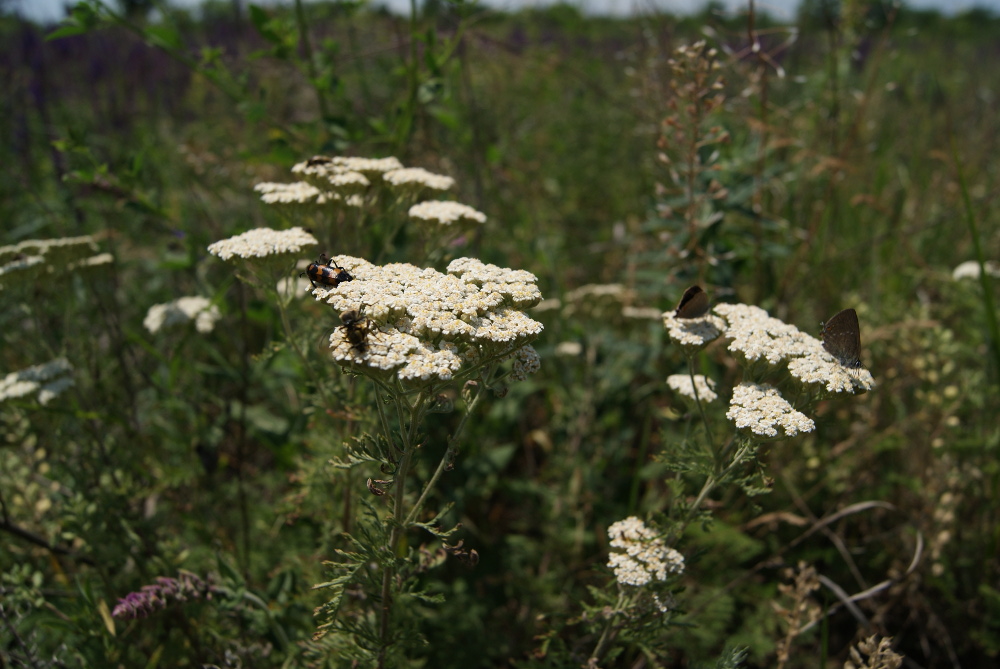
pixel 83 18
pixel 165 37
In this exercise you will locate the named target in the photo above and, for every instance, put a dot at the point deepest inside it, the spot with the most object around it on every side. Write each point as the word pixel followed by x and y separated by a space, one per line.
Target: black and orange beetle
pixel 326 272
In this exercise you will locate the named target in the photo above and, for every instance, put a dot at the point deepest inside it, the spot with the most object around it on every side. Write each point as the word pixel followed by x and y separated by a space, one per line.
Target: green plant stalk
pixel 706 489
pixel 984 278
pixel 399 492
pixel 443 464
pixel 697 399
pixel 300 18
pixel 417 411
pixel 289 335
pixel 610 629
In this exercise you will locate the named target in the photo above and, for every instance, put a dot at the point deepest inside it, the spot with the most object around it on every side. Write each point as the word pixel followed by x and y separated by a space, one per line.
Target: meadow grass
pixel 178 428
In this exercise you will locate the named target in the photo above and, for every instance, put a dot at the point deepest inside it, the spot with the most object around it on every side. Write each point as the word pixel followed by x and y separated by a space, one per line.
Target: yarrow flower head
pixel 166 591
pixel 681 384
pixel 322 167
pixel 692 334
pixel 264 256
pixel 25 262
pixel 445 213
pixel 760 339
pixel 421 325
pixel 263 242
pixel 182 310
pixel 603 302
pixel 48 381
pixel 762 410
pixel 298 192
pixel 970 269
pixel 642 557
pixel 415 179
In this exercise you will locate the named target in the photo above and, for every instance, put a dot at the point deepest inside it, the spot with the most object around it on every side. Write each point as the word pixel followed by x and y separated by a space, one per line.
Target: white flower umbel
pixel 48 381
pixel 445 213
pixel 28 261
pixel 681 384
pixel 323 166
pixel 180 311
pixel 263 242
pixel 569 349
pixel 21 270
pixel 422 325
pixel 97 262
pixel 693 334
pixel 759 338
pixel 417 178
pixel 298 192
pixel 349 183
pixel 55 251
pixel 642 556
pixel 821 369
pixel 762 410
pixel 599 302
pixel 970 270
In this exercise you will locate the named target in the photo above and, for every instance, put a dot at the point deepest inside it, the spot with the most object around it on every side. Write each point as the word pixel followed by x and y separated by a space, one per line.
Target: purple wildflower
pixel 152 598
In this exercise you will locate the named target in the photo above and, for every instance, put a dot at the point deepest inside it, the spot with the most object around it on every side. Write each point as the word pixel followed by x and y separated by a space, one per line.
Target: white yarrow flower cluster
pixel 349 183
pixel 263 242
pixel 681 384
pixel 27 261
pixel 445 213
pixel 48 381
pixel 762 410
pixel 418 177
pixel 324 166
pixel 93 262
pixel 422 325
pixel 693 334
pixel 642 556
pixel 601 302
pixel 757 337
pixel 56 251
pixel 182 310
pixel 298 192
pixel 970 270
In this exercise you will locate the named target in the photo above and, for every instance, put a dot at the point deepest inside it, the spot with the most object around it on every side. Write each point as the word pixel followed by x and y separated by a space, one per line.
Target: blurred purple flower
pixel 152 598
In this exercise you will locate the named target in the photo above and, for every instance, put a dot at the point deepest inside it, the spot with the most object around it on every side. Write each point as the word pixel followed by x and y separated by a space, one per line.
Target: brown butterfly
pixel 693 304
pixel 842 338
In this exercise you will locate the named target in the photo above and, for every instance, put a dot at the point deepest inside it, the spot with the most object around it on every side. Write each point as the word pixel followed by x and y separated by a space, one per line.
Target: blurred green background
pixel 859 168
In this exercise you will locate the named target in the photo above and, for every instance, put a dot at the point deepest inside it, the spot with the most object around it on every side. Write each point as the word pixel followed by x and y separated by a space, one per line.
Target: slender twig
pixel 12 629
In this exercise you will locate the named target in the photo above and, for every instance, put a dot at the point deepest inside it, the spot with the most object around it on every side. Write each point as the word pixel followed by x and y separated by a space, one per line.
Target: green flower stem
pixel 697 399
pixel 412 516
pixel 710 484
pixel 289 335
pixel 610 631
pixel 407 434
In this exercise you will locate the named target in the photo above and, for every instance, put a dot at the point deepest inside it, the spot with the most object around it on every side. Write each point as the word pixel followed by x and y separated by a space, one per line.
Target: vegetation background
pixel 859 167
